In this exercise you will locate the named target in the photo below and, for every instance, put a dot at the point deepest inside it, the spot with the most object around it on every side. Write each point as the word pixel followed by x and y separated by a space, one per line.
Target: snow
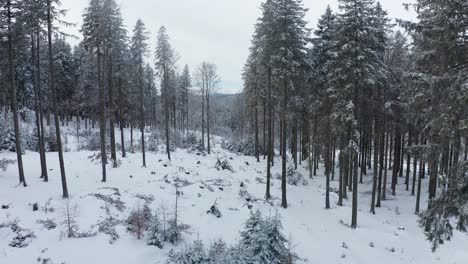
pixel 318 235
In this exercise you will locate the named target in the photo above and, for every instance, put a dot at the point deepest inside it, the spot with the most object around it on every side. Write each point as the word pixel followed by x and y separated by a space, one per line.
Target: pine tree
pixel 288 53
pixel 154 231
pixel 94 40
pixel 165 63
pixel 53 88
pixel 320 68
pixel 10 11
pixel 356 70
pixel 138 50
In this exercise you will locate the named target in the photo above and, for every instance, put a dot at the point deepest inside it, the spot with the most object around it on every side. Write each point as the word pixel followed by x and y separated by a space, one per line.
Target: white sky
pixel 218 31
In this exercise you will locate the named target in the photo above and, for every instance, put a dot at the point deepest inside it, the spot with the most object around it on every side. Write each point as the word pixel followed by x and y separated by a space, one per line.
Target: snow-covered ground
pixel 318 235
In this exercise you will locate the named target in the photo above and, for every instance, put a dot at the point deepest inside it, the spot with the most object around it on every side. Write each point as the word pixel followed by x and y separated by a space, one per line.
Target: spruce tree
pixel 138 50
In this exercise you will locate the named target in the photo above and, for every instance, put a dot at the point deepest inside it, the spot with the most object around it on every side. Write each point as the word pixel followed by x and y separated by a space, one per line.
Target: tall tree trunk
pixel 418 192
pixel 415 163
pixel 166 113
pixel 112 112
pixel 396 158
pixel 384 187
pixel 264 129
pixel 270 128
pixel 381 162
pixel 433 160
pixel 203 120
pixel 257 154
pixel 376 160
pixel 408 158
pixel 41 109
pixel 14 103
pixel 102 119
pixel 53 89
pixel 328 162
pixel 340 175
pixel 355 192
pixel 131 137
pixel 36 106
pixel 142 115
pixel 208 121
pixel 284 202
pixel 121 116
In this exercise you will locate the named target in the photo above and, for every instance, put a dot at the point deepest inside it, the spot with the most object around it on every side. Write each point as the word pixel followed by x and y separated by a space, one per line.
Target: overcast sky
pixel 218 31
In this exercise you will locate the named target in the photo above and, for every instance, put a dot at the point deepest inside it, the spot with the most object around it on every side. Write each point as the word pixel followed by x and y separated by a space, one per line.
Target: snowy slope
pixel 318 235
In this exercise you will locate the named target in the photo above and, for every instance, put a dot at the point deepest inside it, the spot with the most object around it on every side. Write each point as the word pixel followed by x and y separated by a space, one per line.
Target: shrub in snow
pixel 218 252
pixel 245 147
pixel 193 254
pixel 449 210
pixel 262 240
pixel 119 205
pixel 154 140
pixel 7 136
pixel 48 224
pixel 155 232
pixel 138 220
pixel 174 231
pixel 214 211
pixel 23 237
pixel 4 163
pixel 191 142
pixel 223 164
pixel 90 140
pixel 69 213
pixel 295 178
pixel 50 139
pixel 107 226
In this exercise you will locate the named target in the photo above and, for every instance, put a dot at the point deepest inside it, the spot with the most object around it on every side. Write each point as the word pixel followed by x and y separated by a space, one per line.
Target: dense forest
pixel 358 98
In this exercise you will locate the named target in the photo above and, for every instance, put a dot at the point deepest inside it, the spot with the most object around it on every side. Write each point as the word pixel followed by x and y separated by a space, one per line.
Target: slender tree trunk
pixel 415 162
pixel 340 175
pixel 38 110
pixel 265 151
pixel 257 154
pixel 418 193
pixel 384 187
pixel 112 112
pixel 376 160
pixel 433 160
pixel 270 128
pixel 208 121
pixel 14 103
pixel 272 116
pixel 41 109
pixel 203 119
pixel 142 115
pixel 121 117
pixel 381 163
pixel 408 159
pixel 396 158
pixel 131 137
pixel 328 162
pixel 284 202
pixel 355 192
pixel 102 120
pixel 53 89
pixel 166 113
pixel 466 149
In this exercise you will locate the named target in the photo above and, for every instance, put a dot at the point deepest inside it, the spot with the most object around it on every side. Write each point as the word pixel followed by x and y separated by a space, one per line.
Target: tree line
pixel 106 80
pixel 365 98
